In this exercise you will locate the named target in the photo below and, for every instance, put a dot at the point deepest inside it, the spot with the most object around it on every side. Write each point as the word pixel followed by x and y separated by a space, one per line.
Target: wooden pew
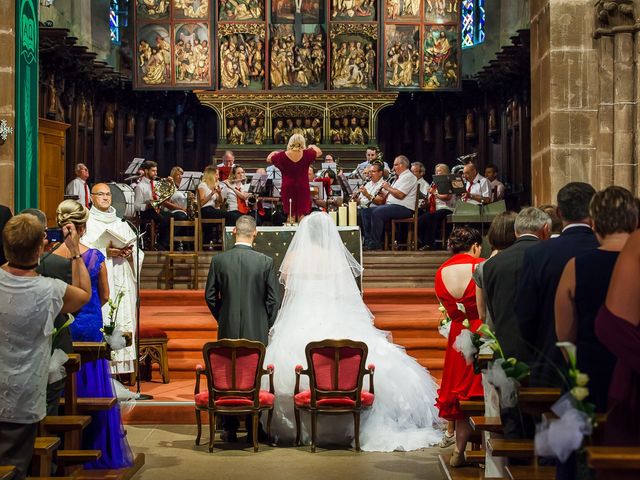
pixel 486 424
pixel 42 459
pixel 70 461
pixel 531 472
pixel 70 426
pixel 7 472
pixel 537 400
pixel 619 463
pixel 517 448
pixel 91 404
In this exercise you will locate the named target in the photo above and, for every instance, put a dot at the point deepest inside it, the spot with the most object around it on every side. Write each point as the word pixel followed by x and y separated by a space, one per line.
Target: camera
pixel 55 235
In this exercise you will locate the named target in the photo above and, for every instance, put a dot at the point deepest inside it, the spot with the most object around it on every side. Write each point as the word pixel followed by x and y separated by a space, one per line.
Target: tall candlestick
pixel 342 216
pixel 290 215
pixel 353 214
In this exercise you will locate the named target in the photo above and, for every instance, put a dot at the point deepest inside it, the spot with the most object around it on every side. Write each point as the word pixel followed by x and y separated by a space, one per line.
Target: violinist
pixel 437 208
pixel 236 192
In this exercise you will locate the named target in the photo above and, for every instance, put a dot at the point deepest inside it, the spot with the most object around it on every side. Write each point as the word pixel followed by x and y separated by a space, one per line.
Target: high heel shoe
pixel 457 459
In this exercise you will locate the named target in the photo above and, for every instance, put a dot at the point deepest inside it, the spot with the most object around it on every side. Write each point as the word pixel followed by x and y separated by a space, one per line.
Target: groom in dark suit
pixel 542 267
pixel 242 294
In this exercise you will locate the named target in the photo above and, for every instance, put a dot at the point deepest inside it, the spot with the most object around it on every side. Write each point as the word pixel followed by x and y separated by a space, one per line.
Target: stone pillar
pixel 564 74
pixel 623 111
pixel 7 99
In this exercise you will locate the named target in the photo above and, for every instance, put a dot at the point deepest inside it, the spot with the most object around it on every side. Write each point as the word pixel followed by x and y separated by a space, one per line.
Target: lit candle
pixel 353 214
pixel 334 216
pixel 342 216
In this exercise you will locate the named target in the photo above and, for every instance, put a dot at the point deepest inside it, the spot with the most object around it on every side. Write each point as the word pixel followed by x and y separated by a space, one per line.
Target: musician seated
pixel 367 195
pixel 236 193
pixel 176 206
pixel 438 206
pixel 399 202
pixel 478 188
pixel 418 169
pixel 211 201
pixel 145 196
pixel 224 167
pixel 497 187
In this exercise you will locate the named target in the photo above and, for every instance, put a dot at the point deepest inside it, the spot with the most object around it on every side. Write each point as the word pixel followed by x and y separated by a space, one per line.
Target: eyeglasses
pixel 102 194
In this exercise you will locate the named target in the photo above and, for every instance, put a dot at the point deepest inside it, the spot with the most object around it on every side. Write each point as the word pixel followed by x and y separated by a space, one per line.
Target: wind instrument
pixel 392 178
pixel 163 189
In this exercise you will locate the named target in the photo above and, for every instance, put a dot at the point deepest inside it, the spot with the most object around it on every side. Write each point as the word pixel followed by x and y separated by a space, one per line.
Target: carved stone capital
pixel 614 13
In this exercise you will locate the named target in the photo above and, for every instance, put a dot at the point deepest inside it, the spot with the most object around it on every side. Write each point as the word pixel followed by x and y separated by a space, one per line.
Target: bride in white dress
pixel 322 301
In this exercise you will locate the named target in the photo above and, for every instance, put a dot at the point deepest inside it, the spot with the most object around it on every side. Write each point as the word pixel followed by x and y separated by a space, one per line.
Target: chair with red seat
pixel 336 369
pixel 234 372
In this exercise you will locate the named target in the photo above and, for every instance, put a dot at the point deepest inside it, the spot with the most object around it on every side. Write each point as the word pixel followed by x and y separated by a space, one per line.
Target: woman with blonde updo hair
pixel 211 200
pixel 294 164
pixel 105 432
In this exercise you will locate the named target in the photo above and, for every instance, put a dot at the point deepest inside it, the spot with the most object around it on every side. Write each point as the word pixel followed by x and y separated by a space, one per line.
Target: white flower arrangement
pixel 113 335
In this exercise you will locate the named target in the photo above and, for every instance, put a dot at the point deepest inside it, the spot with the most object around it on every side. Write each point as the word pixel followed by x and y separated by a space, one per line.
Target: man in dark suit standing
pixel 242 293
pixel 542 267
pixel 5 216
pixel 501 276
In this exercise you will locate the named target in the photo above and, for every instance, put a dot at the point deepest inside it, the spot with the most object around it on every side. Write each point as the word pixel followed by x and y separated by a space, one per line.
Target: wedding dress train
pixel 322 301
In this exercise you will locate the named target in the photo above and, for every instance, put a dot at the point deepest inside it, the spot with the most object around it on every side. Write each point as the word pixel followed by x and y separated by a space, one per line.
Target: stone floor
pixel 171 454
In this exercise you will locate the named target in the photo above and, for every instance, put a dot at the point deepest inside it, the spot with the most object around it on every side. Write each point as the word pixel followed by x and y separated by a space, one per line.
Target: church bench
pixel 472 407
pixel 486 424
pixel 71 426
pixel 7 472
pixel 621 463
pixel 471 472
pixel 42 459
pixel 72 366
pixel 537 400
pixel 515 448
pixel 475 457
pixel 92 404
pixel 532 472
pixel 71 461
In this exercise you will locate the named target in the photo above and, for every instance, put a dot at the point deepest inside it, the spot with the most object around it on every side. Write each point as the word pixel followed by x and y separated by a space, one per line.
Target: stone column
pixel 564 73
pixel 604 152
pixel 7 99
pixel 623 111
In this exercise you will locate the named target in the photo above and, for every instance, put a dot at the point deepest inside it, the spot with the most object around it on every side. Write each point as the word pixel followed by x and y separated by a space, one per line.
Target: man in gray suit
pixel 242 294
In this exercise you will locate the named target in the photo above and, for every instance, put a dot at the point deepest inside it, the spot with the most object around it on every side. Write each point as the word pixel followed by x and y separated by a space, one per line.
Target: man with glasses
pixel 121 268
pixel 396 202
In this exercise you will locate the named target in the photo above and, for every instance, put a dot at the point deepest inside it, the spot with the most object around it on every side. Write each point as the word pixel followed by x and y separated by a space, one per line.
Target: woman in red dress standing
pixel 294 164
pixel 454 285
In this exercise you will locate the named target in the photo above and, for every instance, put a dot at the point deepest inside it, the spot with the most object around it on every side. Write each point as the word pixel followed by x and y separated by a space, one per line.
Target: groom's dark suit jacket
pixel 242 293
pixel 542 267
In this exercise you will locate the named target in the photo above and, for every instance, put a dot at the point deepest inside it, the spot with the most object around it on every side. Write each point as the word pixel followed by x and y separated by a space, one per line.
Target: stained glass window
pixel 473 18
pixel 117 19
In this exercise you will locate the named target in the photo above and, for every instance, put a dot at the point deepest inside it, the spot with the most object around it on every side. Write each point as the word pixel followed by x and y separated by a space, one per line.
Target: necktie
pixel 86 195
pixel 153 191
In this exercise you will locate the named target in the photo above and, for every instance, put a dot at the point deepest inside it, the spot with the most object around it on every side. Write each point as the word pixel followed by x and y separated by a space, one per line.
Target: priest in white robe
pixel 121 268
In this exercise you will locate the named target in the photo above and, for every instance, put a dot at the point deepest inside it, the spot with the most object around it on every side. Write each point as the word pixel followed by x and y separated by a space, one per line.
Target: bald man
pixel 121 268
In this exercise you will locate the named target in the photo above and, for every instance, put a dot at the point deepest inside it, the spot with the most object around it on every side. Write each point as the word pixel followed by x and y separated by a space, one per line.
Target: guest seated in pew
pixel 105 432
pixel 454 285
pixel 583 288
pixel 618 328
pixel 30 303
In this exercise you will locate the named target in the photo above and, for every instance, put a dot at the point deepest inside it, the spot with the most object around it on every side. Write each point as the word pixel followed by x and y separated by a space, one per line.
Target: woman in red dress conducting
pixel 294 164
pixel 454 285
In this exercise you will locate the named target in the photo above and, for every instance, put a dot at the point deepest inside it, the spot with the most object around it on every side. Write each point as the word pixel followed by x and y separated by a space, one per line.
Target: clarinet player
pixel 399 202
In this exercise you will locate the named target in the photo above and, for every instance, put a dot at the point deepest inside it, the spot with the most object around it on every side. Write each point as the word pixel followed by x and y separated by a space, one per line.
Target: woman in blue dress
pixel 105 432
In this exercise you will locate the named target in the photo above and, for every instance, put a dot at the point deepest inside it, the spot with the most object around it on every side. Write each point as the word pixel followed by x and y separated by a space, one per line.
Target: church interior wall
pixel 7 99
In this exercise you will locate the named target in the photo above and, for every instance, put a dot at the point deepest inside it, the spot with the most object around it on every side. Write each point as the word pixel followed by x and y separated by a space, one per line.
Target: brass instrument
pixel 164 188
pixel 192 209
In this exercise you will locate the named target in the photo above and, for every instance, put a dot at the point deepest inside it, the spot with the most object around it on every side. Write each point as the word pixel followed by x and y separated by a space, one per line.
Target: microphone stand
pixel 139 396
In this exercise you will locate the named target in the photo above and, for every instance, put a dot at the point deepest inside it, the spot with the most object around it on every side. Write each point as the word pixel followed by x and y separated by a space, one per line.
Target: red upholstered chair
pixel 336 371
pixel 234 371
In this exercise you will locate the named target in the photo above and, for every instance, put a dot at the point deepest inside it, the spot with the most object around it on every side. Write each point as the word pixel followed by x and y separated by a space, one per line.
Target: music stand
pixel 134 166
pixel 347 191
pixel 258 184
pixel 449 184
pixel 190 181
pixel 320 187
pixel 330 166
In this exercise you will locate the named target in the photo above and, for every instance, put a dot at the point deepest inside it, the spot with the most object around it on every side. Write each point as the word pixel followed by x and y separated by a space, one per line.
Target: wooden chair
pixel 170 267
pixel 153 349
pixel 150 241
pixel 336 369
pixel 220 222
pixel 412 229
pixel 234 372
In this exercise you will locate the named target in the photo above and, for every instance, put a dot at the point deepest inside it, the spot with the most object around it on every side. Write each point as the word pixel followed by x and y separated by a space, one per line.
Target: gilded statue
pixel 279 132
pixel 153 8
pixel 192 8
pixel 240 10
pixel 241 61
pixel 353 66
pixel 299 65
pixel 402 63
pixel 191 59
pixel 154 61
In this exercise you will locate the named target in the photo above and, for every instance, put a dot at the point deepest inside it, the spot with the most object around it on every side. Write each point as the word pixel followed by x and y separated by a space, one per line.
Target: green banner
pixel 26 125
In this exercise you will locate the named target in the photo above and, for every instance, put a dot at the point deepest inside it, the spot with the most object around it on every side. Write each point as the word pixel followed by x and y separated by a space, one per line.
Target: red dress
pixel 295 182
pixel 458 380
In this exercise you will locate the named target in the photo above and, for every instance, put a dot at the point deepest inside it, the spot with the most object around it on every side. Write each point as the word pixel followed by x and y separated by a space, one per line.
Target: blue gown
pixel 105 432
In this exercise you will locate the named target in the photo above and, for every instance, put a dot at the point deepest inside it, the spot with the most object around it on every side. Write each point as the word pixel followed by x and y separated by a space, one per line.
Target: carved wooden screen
pixel 297 45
